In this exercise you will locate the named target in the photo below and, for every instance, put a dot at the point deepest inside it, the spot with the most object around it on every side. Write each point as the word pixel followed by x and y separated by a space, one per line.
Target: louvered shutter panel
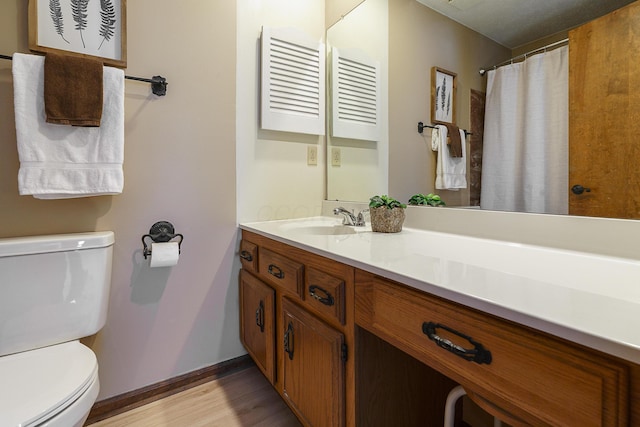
pixel 355 80
pixel 293 82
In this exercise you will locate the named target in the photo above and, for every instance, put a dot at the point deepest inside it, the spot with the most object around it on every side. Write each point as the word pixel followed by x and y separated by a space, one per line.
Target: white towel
pixel 451 172
pixel 59 161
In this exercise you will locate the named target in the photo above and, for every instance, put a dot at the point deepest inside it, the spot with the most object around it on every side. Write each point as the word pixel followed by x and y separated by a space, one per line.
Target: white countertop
pixel 585 298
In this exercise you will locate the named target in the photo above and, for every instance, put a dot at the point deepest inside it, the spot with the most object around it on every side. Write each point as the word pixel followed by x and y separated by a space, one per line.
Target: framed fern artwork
pixel 443 96
pixel 94 28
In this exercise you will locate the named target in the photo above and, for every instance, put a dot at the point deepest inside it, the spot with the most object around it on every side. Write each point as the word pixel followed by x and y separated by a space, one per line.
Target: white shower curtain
pixel 525 148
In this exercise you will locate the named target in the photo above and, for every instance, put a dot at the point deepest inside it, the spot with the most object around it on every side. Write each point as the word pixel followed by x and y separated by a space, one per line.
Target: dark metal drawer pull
pixel 327 299
pixel 288 341
pixel 477 354
pixel 246 255
pixel 260 316
pixel 275 271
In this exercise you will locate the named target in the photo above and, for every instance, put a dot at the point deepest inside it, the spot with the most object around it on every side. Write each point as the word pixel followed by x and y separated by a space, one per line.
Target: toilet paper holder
pixel 160 232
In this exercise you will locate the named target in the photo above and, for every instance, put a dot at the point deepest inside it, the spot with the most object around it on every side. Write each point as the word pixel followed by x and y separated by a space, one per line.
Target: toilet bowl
pixel 51 386
pixel 53 291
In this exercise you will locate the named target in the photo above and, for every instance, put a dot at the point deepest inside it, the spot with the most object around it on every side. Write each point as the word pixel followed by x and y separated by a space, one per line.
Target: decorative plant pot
pixel 386 220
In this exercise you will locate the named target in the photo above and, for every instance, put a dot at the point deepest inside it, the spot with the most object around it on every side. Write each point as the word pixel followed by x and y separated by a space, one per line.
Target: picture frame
pixel 443 96
pixel 95 29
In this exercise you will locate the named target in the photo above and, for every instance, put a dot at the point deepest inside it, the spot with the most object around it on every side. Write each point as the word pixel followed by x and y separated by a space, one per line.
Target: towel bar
pixel 158 83
pixel 421 127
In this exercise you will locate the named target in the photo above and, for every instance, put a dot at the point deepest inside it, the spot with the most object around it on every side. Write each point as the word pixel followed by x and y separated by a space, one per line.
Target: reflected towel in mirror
pixel 451 172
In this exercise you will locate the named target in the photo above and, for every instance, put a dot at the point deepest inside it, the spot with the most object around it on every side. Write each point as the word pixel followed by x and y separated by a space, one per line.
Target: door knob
pixel 579 189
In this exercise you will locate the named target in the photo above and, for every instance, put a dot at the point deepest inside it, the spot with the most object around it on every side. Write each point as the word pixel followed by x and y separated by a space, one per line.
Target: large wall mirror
pixel 408 38
pixel 358 166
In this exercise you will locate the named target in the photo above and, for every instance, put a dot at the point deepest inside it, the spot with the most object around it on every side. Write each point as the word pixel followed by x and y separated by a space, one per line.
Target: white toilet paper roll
pixel 164 254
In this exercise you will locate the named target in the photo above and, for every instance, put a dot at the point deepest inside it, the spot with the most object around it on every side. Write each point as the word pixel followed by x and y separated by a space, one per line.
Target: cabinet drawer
pixel 325 294
pixel 281 271
pixel 249 256
pixel 527 374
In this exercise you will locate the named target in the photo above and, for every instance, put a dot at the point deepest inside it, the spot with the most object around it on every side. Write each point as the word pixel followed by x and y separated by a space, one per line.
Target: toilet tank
pixel 53 288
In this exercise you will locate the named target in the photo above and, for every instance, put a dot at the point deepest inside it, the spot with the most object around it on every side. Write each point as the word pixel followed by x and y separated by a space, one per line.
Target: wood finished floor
pixel 240 399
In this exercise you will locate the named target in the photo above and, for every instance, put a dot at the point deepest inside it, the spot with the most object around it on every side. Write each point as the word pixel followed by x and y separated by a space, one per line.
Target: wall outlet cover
pixel 335 157
pixel 312 155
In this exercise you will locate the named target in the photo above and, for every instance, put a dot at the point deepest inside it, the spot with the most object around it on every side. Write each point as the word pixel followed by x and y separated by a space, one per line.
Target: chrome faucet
pixel 349 218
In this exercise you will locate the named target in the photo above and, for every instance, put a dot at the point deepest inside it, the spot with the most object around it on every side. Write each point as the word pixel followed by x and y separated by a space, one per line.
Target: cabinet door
pixel 257 318
pixel 313 377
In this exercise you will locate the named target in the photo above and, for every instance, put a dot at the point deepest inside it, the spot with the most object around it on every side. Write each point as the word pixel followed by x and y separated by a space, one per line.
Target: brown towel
pixel 72 90
pixel 453 142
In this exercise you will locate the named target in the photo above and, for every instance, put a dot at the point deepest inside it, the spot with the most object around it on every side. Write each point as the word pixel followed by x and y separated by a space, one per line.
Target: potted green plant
pixel 387 214
pixel 428 200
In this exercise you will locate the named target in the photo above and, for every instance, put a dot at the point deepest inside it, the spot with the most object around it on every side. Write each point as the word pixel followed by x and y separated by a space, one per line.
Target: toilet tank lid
pixel 13 246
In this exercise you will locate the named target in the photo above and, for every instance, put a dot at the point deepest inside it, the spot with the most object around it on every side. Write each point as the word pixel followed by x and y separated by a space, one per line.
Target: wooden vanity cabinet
pixel 309 301
pixel 345 347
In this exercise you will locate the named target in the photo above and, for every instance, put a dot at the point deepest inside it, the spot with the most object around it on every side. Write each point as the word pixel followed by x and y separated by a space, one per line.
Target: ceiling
pixel 513 23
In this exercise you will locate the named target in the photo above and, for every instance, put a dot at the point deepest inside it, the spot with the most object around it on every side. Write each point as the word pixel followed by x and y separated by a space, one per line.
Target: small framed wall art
pixel 443 96
pixel 80 27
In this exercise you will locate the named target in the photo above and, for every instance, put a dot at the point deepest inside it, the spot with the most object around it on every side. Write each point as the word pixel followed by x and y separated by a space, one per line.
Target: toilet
pixel 54 290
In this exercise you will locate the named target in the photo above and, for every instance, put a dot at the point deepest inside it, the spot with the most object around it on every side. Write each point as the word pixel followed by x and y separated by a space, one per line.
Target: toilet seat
pixel 38 385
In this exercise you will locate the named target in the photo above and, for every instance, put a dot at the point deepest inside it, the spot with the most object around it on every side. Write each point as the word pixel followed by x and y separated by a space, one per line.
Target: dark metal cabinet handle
pixel 315 291
pixel 260 316
pixel 477 354
pixel 579 189
pixel 288 341
pixel 275 271
pixel 246 255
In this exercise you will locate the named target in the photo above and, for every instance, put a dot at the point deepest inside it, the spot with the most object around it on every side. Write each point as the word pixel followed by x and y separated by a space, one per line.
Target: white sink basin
pixel 321 227
pixel 334 230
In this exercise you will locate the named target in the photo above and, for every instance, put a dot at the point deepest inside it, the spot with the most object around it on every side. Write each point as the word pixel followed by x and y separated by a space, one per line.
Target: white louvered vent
pixel 355 95
pixel 293 88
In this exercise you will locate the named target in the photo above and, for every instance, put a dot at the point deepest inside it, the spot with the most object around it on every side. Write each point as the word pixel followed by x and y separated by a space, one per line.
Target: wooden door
pixel 604 115
pixel 313 375
pixel 257 318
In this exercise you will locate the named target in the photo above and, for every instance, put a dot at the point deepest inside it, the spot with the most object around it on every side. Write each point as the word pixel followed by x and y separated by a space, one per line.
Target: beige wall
pixel 179 166
pixel 335 10
pixel 419 39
